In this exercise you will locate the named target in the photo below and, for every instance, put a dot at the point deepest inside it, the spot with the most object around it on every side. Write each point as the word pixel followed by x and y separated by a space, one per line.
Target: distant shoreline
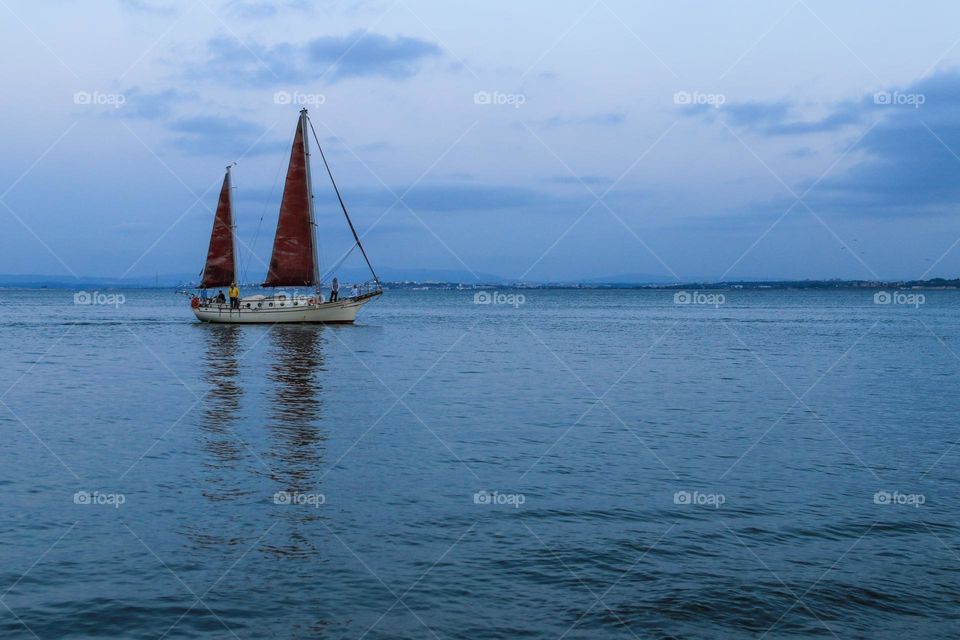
pixel 936 284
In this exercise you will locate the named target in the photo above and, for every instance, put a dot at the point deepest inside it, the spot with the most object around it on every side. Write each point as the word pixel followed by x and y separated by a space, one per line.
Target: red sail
pixel 220 269
pixel 293 253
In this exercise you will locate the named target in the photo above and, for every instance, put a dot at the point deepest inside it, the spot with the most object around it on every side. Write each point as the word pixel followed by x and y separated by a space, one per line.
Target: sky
pixel 542 140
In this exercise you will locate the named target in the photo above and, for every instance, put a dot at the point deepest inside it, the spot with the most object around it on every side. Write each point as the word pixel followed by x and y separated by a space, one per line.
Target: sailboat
pixel 294 262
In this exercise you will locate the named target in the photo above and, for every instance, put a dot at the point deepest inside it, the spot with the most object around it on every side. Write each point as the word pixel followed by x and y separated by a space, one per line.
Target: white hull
pixel 288 310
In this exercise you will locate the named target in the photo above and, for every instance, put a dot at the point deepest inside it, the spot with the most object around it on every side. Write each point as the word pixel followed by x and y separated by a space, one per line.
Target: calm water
pixel 661 470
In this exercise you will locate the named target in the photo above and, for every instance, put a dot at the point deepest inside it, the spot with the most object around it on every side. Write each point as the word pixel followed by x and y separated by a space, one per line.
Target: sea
pixel 483 464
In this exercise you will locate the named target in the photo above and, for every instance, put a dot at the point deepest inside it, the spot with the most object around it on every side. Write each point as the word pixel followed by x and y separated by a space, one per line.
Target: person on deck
pixel 354 292
pixel 220 297
pixel 334 290
pixel 234 296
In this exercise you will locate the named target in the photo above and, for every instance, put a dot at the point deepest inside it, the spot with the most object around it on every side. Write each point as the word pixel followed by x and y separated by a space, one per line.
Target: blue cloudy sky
pixel 539 140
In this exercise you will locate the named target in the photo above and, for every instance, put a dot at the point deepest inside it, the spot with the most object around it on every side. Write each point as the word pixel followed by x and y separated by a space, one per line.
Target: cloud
pixel 452 198
pixel 610 119
pixel 372 54
pixel 224 137
pixel 464 197
pixel 779 118
pixel 910 164
pixel 906 153
pixel 581 180
pixel 371 147
pixel 436 198
pixel 151 105
pixel 753 114
pixel 358 54
pixel 259 9
pixel 337 141
pixel 150 8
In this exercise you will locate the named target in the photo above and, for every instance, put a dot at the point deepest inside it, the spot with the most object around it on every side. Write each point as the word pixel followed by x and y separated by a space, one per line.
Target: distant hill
pixel 391 274
pixel 631 278
pixel 69 282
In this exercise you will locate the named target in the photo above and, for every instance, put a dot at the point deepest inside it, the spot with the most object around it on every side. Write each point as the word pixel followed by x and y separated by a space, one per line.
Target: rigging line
pixel 338 263
pixel 343 206
pixel 319 254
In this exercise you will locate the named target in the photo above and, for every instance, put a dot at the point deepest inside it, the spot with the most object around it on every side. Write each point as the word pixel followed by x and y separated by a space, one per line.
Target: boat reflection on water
pixel 259 431
pixel 292 400
pixel 296 449
pixel 225 470
pixel 295 405
pixel 220 414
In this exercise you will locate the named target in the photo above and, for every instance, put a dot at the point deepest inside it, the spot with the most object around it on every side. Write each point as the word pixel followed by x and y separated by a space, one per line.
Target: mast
pixel 313 225
pixel 233 221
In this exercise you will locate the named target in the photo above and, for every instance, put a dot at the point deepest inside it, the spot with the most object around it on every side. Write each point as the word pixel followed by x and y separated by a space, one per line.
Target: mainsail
pixel 220 270
pixel 293 262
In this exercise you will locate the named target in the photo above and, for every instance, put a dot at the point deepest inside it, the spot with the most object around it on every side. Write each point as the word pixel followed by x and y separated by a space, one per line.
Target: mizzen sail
pixel 220 269
pixel 293 260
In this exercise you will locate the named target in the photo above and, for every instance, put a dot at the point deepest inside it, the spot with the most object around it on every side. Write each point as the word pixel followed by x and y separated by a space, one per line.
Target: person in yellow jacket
pixel 234 296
